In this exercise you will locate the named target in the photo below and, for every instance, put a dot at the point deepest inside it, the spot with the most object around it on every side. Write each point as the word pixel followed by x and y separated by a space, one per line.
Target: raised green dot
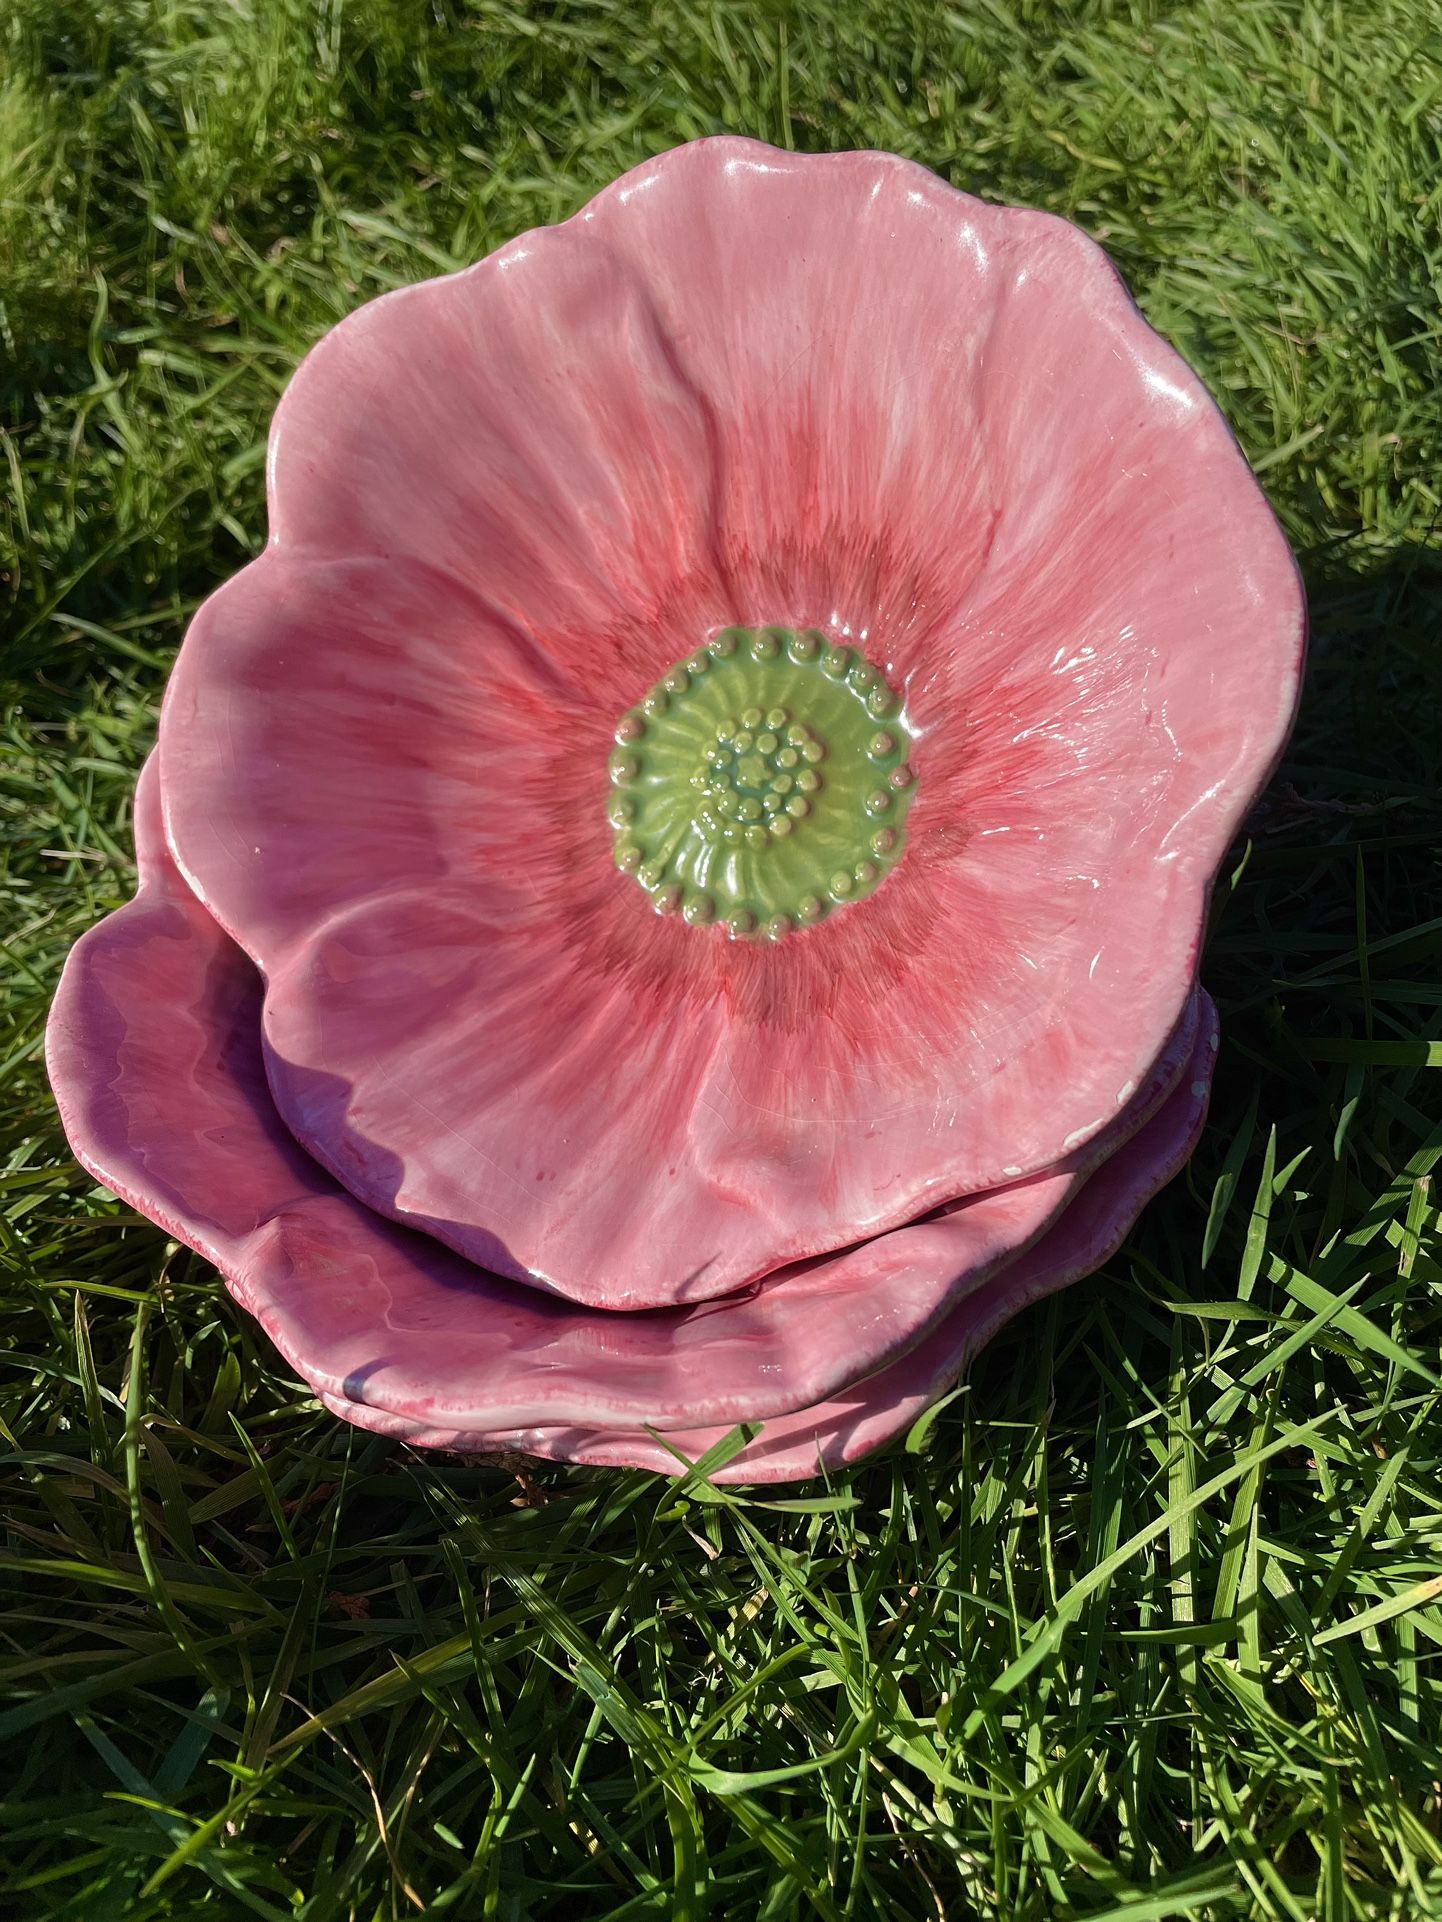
pixel 718 804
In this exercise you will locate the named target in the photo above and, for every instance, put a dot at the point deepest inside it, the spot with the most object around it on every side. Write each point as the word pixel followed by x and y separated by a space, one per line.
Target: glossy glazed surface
pixel 740 387
pixel 154 1052
pixel 849 1425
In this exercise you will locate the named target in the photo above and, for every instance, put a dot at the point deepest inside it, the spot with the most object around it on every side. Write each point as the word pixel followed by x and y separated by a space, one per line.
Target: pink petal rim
pixel 841 1431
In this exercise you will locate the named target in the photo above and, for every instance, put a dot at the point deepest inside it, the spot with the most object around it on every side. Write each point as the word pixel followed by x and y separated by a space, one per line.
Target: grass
pixel 1148 1624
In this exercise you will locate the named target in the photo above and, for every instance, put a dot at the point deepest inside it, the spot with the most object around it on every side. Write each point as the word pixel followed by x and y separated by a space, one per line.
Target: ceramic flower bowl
pixel 670 893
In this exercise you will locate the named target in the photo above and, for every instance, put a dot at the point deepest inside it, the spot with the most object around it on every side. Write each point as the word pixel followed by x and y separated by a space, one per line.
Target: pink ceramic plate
pixel 440 756
pixel 155 1057
pixel 851 1424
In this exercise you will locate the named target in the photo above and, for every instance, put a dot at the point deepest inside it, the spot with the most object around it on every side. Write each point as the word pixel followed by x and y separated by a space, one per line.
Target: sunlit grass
pixel 1149 1627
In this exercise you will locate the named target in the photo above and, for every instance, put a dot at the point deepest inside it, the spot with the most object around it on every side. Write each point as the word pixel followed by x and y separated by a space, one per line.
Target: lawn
pixel 1148 1621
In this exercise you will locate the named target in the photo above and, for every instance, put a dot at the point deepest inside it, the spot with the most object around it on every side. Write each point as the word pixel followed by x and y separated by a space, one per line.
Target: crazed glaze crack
pixel 763 782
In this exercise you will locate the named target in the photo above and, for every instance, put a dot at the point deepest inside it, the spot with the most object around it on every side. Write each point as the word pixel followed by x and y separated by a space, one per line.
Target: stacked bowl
pixel 670 893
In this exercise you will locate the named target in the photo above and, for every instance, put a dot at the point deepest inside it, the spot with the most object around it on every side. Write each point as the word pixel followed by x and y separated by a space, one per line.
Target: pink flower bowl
pixel 670 893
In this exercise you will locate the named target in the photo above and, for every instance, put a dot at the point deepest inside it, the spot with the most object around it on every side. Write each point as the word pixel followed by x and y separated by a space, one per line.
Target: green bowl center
pixel 763 782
